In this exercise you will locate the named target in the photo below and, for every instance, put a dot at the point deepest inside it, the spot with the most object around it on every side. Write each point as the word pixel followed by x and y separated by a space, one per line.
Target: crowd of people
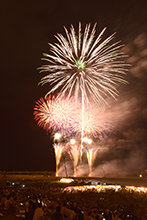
pixel 40 199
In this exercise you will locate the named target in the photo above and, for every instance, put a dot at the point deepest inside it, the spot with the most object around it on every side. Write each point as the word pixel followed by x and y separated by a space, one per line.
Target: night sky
pixel 26 28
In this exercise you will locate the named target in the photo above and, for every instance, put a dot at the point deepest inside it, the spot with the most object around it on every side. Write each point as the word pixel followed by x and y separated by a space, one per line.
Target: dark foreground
pixel 24 191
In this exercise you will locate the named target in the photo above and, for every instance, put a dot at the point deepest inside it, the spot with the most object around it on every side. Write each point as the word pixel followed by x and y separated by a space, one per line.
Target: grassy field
pixel 131 181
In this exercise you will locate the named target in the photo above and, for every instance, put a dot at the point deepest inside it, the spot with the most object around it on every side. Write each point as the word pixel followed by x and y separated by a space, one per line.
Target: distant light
pixel 72 141
pixel 98 188
pixel 23 186
pixel 13 184
pixel 66 180
pixel 140 175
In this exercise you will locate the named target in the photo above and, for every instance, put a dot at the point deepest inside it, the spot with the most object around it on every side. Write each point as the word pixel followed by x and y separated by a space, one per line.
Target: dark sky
pixel 26 28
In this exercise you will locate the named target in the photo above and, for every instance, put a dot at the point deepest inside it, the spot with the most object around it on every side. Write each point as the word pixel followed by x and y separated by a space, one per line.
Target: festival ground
pixel 53 187
pixel 123 181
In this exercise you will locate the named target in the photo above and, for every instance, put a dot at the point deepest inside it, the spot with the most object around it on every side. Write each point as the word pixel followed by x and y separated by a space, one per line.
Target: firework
pixel 84 66
pixel 91 153
pixel 75 154
pixel 54 113
pixel 42 111
pixel 95 122
pixel 65 115
pixel 58 153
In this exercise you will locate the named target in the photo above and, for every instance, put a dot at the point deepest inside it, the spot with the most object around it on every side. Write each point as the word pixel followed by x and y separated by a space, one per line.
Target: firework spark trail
pixel 75 154
pixel 58 153
pixel 82 120
pixel 81 64
pixel 91 154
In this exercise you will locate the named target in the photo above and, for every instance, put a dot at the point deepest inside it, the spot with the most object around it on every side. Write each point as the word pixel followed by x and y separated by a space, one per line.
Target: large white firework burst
pixel 83 65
